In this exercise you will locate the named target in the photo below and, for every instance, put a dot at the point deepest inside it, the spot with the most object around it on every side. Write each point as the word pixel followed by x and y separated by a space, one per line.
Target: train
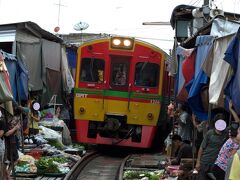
pixel 118 93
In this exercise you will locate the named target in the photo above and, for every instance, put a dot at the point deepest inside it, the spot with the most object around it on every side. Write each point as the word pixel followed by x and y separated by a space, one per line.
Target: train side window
pixel 92 70
pixel 146 74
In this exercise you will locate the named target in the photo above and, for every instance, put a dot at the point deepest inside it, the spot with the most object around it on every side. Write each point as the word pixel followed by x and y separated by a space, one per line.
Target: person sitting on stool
pixel 183 150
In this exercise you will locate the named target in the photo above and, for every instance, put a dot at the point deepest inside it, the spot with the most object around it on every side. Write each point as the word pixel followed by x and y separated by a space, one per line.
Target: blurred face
pixel 58 109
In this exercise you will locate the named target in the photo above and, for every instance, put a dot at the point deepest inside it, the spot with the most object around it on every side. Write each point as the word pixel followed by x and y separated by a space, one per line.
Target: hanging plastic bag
pixel 5 87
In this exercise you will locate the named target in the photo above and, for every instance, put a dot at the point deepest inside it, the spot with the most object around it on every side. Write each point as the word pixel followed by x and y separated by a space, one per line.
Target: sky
pixel 121 17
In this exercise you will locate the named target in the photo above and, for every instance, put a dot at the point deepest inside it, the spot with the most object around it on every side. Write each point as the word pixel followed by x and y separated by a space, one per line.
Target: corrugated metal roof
pixel 7 35
pixel 32 28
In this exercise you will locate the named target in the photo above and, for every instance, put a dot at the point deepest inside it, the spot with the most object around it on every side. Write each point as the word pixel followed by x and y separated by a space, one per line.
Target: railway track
pixel 114 164
pixel 97 166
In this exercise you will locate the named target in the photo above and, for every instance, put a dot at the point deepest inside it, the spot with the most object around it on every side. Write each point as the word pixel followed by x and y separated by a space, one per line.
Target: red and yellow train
pixel 118 91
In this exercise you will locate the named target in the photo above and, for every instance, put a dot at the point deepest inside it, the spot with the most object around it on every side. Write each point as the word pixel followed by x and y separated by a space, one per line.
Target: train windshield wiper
pixel 143 66
pixel 91 69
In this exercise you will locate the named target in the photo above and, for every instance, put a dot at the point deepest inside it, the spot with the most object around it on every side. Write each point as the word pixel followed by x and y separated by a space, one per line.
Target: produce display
pixel 51 165
pixel 46 155
pixel 150 175
pixel 25 167
pixel 26 158
pixel 55 143
pixel 51 161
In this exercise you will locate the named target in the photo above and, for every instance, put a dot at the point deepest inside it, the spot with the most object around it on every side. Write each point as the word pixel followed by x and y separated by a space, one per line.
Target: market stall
pixel 49 152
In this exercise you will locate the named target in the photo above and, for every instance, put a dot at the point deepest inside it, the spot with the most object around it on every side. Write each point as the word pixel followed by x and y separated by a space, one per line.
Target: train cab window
pixel 119 74
pixel 146 74
pixel 92 70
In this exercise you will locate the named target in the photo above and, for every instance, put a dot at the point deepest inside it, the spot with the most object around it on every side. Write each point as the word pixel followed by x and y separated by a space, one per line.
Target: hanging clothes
pixel 197 86
pixel 18 76
pixel 218 70
pixel 68 82
pixel 185 57
pixel 232 57
pixel 5 86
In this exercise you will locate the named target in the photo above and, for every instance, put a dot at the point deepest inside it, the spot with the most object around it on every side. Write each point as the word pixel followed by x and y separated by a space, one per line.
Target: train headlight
pixel 122 43
pixel 127 42
pixel 116 42
pixel 150 116
pixel 82 110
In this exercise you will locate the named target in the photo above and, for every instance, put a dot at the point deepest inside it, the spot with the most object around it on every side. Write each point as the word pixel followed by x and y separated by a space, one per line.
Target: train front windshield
pixel 146 74
pixel 119 72
pixel 92 70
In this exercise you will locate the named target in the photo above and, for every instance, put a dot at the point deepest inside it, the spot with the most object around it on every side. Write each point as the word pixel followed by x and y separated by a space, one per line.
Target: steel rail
pixel 78 167
pixel 121 168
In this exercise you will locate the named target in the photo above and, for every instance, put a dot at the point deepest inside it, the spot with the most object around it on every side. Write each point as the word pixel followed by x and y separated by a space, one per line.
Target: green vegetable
pixel 79 146
pixel 46 165
pixel 60 159
pixel 152 175
pixel 55 143
pixel 22 163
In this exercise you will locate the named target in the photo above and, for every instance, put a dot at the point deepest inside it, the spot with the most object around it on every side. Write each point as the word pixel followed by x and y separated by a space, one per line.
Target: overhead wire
pixel 142 28
pixel 190 2
pixel 197 1
pixel 158 39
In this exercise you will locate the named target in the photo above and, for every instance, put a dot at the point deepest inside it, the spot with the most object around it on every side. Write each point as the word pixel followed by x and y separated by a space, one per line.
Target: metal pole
pixel 81 37
pixel 209 115
pixel 205 2
pixel 19 102
pixel 59 9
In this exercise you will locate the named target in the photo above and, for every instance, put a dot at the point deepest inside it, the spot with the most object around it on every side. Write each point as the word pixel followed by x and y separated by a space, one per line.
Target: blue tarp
pixel 72 57
pixel 233 86
pixel 179 81
pixel 11 64
pixel 18 76
pixel 23 77
pixel 194 87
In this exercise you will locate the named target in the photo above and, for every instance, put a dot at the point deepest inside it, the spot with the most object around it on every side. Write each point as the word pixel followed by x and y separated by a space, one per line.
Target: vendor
pixel 34 118
pixel 12 127
pixel 57 112
pixel 183 150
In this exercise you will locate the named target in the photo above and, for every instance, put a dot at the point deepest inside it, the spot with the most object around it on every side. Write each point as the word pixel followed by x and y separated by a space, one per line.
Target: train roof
pixel 106 38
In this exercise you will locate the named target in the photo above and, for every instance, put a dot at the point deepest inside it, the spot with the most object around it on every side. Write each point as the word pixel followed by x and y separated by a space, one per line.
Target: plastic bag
pixel 51 134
